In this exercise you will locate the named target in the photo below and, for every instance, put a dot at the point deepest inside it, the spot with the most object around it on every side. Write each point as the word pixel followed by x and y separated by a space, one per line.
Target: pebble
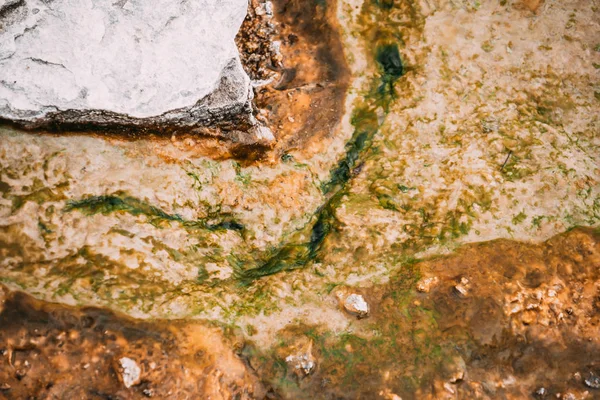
pixel 303 362
pixel 264 9
pixel 425 285
pixel 455 369
pixel 356 304
pixel 448 387
pixel 593 381
pixel 130 372
pixel 276 46
pixel 462 288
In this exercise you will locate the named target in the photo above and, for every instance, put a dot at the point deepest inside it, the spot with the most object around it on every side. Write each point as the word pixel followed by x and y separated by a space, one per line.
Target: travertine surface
pixel 471 128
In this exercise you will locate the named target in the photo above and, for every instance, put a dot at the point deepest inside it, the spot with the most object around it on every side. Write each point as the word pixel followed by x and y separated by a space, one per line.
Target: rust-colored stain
pixel 308 100
pixel 50 351
pixel 531 5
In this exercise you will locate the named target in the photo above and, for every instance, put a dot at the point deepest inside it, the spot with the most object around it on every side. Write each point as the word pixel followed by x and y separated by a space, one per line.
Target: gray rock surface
pixel 122 63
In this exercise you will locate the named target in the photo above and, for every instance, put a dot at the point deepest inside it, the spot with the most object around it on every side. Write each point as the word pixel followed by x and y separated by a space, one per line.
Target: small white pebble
pixel 303 362
pixel 461 289
pixel 356 304
pixel 276 46
pixel 131 372
pixel 425 285
pixel 448 387
pixel 264 133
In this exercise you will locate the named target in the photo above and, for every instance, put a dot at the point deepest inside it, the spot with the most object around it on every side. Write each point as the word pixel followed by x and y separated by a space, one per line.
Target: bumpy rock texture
pixel 124 63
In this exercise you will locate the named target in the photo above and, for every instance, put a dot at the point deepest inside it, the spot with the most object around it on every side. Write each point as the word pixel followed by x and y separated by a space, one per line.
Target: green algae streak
pixel 157 217
pixel 366 124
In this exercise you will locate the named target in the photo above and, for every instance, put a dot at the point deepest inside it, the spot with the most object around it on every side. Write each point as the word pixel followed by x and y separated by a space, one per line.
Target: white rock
pixel 302 361
pixel 130 372
pixel 425 284
pixel 448 387
pixel 356 304
pixel 593 381
pixel 463 287
pixel 5 4
pixel 123 62
pixel 269 7
pixel 262 133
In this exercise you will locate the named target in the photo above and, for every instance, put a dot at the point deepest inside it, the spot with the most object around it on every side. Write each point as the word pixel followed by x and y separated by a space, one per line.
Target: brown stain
pixel 305 106
pixel 50 351
pixel 529 312
pixel 531 5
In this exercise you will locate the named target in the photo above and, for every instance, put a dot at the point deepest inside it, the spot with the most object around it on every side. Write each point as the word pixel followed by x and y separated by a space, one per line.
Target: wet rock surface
pixel 414 345
pixel 440 344
pixel 52 351
pixel 467 140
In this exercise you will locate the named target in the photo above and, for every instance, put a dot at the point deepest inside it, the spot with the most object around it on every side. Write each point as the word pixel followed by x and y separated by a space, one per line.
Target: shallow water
pixel 424 172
